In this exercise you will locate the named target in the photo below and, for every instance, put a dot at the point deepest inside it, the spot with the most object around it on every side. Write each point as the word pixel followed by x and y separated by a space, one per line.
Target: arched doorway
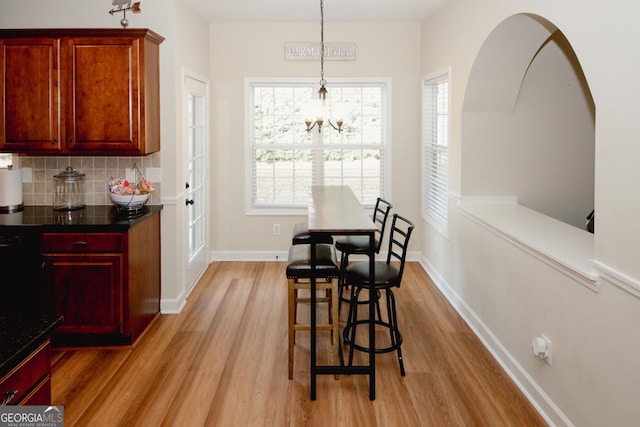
pixel 528 122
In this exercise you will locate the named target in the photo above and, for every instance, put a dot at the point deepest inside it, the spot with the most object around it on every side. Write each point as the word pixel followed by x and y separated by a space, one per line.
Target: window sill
pixel 566 248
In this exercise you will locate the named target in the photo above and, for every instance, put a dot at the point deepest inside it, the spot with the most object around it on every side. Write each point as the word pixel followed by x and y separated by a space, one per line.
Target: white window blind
pixel 5 160
pixel 435 141
pixel 281 149
pixel 285 160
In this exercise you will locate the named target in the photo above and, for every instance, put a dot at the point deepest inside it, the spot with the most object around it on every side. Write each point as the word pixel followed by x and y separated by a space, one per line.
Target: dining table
pixel 336 211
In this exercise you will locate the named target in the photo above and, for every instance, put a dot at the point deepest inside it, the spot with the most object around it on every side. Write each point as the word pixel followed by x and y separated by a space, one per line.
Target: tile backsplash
pixel 99 170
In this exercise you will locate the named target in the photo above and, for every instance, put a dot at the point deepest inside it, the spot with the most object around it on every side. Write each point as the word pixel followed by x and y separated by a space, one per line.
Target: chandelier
pixel 321 110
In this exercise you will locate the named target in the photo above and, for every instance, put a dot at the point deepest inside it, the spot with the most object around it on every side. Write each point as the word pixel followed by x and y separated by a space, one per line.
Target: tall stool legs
pixel 332 315
pixel 391 325
pixel 298 275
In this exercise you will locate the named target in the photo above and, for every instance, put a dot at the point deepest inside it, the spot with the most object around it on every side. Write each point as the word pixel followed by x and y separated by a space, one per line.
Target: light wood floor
pixel 223 362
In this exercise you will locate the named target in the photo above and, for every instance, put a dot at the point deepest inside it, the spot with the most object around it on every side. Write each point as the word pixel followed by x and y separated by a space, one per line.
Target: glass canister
pixel 68 190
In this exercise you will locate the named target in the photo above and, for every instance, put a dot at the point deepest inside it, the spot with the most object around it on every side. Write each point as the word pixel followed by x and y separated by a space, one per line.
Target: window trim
pixel 250 82
pixel 442 226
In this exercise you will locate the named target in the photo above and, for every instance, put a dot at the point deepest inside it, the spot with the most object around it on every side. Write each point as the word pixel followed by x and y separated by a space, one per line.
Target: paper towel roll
pixel 10 189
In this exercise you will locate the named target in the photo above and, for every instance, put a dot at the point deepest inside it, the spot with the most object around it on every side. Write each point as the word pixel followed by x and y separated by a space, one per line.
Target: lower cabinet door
pixel 40 395
pixel 87 291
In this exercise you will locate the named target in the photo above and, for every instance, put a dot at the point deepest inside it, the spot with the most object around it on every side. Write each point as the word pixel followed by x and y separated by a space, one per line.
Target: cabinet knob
pixel 189 202
pixel 54 141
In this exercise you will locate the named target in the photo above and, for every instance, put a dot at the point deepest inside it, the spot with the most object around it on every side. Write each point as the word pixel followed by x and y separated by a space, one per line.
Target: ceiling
pixel 309 10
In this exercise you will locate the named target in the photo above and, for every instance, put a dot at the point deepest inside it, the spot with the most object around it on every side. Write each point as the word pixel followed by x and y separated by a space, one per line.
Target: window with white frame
pixel 5 160
pixel 435 151
pixel 285 159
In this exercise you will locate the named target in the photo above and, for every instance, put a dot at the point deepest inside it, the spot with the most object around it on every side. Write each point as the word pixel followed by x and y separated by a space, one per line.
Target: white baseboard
pixel 172 306
pixel 248 256
pixel 532 391
pixel 282 256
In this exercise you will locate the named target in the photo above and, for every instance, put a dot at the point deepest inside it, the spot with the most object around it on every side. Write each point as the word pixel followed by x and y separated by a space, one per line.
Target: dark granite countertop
pixel 89 218
pixel 21 336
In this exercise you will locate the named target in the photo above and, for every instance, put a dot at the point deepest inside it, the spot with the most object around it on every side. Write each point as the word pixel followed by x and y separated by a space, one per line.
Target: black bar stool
pixel 387 276
pixel 359 245
pixel 327 272
pixel 301 235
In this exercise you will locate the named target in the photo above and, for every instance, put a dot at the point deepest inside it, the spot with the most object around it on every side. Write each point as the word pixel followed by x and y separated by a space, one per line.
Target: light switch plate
pixel 153 174
pixel 130 174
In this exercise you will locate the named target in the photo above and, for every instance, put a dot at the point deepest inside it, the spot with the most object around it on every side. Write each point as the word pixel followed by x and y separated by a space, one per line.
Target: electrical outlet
pixel 541 347
pixel 549 353
pixel 27 175
pixel 276 229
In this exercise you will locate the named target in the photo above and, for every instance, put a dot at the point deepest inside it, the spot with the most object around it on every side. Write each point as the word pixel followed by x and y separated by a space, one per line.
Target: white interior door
pixel 197 135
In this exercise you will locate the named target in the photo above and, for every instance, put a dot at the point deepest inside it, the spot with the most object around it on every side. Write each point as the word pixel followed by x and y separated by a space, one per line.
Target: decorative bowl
pixel 128 196
pixel 130 201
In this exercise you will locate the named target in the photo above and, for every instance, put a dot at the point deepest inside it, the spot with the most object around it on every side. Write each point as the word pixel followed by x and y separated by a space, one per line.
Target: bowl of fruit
pixel 129 196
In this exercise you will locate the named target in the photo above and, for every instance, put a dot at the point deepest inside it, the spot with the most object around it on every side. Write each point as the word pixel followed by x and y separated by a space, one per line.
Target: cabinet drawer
pixel 82 242
pixel 24 377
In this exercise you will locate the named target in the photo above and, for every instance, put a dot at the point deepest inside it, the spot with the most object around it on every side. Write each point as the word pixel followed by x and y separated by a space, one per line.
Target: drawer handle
pixel 81 243
pixel 9 397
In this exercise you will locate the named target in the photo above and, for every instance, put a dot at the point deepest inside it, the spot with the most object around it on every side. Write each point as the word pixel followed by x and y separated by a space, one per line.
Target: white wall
pixel 554 124
pixel 191 39
pixel 509 292
pixel 257 50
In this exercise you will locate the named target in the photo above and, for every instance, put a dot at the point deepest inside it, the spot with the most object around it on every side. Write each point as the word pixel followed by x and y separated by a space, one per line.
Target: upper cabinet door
pixel 103 93
pixel 30 95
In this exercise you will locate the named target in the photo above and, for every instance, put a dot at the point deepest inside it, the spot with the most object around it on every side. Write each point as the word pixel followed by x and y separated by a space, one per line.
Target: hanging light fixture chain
pixel 322 80
pixel 322 93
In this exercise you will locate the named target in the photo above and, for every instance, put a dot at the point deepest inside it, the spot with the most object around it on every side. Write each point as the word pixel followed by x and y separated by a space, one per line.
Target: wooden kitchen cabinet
pixel 106 285
pixel 29 383
pixel 80 91
pixel 86 284
pixel 30 94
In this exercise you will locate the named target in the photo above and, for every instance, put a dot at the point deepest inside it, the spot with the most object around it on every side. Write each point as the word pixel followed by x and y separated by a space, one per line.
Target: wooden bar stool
pixel 298 275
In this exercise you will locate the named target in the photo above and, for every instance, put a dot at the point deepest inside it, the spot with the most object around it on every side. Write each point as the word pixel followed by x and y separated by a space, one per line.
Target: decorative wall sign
pixel 311 51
